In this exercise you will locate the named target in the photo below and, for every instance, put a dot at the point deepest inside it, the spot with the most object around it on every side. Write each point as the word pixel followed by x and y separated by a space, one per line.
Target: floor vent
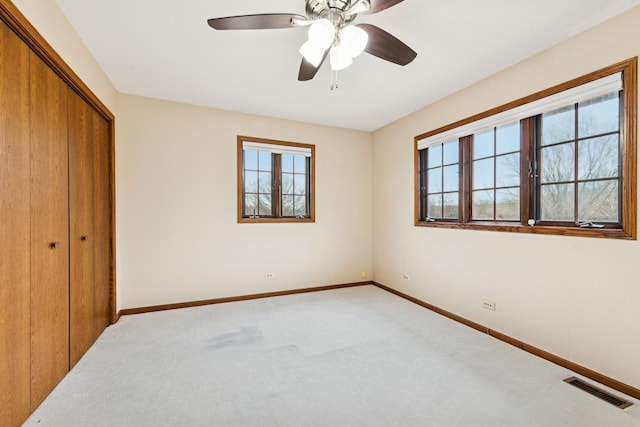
pixel 599 393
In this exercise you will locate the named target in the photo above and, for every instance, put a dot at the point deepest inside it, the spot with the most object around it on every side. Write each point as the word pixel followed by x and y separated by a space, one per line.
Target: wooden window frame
pixel 628 135
pixel 276 190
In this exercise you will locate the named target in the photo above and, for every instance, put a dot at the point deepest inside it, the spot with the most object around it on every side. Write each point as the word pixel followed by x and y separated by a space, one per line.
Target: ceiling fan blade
pixel 379 5
pixel 263 21
pixel 387 47
pixel 307 70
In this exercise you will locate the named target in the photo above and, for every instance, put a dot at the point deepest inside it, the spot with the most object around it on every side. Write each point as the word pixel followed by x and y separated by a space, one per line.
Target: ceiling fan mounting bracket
pixel 333 10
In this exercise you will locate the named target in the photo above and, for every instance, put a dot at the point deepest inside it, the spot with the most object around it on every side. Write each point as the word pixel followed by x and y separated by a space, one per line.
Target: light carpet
pixel 350 357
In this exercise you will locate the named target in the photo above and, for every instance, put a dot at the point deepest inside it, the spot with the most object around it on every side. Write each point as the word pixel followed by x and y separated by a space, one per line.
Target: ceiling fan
pixel 331 33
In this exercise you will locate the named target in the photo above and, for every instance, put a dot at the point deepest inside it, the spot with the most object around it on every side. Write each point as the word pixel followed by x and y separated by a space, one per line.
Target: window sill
pixel 536 229
pixel 274 220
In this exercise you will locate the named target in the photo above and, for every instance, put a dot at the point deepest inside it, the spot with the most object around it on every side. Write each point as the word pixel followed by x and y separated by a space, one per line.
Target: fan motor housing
pixel 325 8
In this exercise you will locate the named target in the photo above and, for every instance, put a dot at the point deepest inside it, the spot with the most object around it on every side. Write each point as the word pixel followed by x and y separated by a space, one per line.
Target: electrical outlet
pixel 405 276
pixel 270 275
pixel 363 274
pixel 489 305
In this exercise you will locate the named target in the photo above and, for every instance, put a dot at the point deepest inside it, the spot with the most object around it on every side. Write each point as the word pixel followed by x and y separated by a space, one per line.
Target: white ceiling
pixel 164 49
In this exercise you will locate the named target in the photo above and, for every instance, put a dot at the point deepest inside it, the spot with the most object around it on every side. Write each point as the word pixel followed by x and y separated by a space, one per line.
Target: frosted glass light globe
pixel 312 53
pixel 339 57
pixel 355 39
pixel 322 33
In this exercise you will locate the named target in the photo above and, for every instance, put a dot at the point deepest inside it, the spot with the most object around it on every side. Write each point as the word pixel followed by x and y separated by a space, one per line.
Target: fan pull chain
pixel 334 80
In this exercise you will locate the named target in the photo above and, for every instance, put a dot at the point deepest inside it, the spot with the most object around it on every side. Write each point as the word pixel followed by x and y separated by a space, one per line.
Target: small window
pixel 275 181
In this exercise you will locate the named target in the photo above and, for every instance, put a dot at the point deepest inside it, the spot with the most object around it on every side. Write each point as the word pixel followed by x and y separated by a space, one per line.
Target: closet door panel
pixel 102 201
pixel 81 227
pixel 14 229
pixel 49 231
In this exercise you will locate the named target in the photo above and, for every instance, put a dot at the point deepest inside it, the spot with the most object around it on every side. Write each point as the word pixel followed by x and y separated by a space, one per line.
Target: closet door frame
pixel 17 22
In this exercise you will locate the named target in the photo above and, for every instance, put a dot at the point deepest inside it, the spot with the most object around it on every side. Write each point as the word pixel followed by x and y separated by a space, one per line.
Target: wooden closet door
pixel 49 231
pixel 14 229
pixel 81 227
pixel 102 229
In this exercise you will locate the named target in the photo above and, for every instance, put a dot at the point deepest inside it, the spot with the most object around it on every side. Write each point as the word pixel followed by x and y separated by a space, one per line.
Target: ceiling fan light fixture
pixel 312 53
pixel 355 39
pixel 322 33
pixel 330 33
pixel 339 57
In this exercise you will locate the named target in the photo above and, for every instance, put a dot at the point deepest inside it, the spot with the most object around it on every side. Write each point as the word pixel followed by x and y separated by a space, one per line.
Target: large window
pixel 275 181
pixel 562 161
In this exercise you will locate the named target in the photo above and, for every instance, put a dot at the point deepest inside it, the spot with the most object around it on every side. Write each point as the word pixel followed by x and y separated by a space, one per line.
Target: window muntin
pixel 275 181
pixel 584 197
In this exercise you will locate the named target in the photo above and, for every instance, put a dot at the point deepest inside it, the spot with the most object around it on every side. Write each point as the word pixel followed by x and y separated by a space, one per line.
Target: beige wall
pixel 578 298
pixel 178 239
pixel 178 236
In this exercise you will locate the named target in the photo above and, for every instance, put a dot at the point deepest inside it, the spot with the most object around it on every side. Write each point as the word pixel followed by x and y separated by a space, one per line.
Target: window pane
pixel 250 182
pixel 264 182
pixel 251 159
pixel 435 180
pixel 558 125
pixel 483 204
pixel 287 205
pixel 287 162
pixel 508 138
pixel 300 164
pixel 434 206
pixel 287 183
pixel 483 174
pixel 451 178
pixel 264 208
pixel 300 184
pixel 598 157
pixel 483 144
pixel 598 201
pixel 300 206
pixel 508 204
pixel 251 205
pixel 451 202
pixel 557 163
pixel 599 115
pixel 264 161
pixel 451 152
pixel 508 170
pixel 557 202
pixel 435 155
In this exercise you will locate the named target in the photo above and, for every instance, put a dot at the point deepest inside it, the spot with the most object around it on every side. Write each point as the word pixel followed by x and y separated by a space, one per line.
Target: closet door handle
pixel 53 245
pixel 84 238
